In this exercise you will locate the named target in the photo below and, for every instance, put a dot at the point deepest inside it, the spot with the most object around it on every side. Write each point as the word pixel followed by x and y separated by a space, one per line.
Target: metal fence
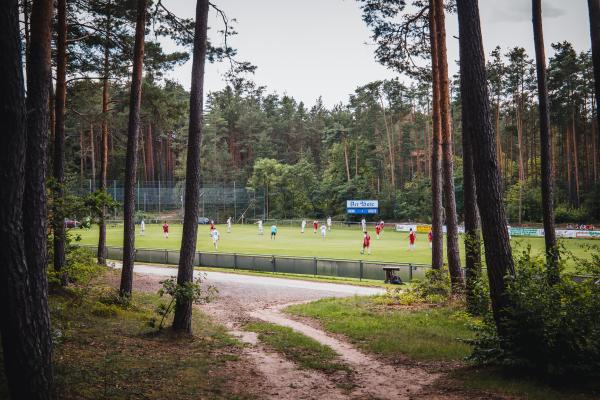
pixel 216 202
pixel 315 266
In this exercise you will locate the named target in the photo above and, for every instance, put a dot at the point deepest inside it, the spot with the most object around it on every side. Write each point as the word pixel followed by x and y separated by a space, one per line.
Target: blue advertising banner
pixel 362 207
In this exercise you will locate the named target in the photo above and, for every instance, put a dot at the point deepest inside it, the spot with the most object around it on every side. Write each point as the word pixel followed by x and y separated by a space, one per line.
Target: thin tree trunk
pixel 104 153
pixel 346 161
pixel 133 130
pixel 25 329
pixel 545 144
pixel 437 251
pixel 390 145
pixel 474 94
pixel 521 166
pixel 575 159
pixel 58 223
pixel 150 154
pixel 183 309
pixel 452 248
pixel 93 156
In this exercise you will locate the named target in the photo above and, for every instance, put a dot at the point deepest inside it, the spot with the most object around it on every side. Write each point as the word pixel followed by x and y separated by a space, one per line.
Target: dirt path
pixel 241 299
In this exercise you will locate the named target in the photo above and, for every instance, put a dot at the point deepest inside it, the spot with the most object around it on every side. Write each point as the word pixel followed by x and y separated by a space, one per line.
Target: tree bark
pixel 104 153
pixel 594 11
pixel 182 320
pixel 24 327
pixel 472 234
pixel 437 251
pixel 452 248
pixel 475 97
pixel 93 156
pixel 388 132
pixel 545 143
pixel 58 223
pixel 133 130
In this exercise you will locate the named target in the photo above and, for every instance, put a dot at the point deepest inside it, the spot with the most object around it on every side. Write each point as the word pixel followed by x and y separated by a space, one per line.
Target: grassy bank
pixel 430 336
pixel 104 351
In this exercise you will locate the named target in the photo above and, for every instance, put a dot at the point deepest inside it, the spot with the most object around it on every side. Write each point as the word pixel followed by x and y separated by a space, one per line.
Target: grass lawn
pixel 421 335
pixel 429 335
pixel 103 351
pixel 340 242
pixel 299 348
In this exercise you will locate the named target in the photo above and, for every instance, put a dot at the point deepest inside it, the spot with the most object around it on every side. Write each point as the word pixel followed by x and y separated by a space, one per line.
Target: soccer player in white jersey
pixel 323 231
pixel 328 223
pixel 302 226
pixel 229 225
pixel 215 238
pixel 260 227
pixel 363 224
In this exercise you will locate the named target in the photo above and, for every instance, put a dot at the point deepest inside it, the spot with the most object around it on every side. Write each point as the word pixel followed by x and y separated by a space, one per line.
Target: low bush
pixel 553 330
pixel 435 288
pixel 80 268
pixel 103 310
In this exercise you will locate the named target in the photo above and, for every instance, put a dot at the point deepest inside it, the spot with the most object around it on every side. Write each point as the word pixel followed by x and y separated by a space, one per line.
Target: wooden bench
pixel 390 273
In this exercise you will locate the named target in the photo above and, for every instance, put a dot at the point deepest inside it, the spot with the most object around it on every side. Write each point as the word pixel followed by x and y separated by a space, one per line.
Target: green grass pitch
pixel 340 242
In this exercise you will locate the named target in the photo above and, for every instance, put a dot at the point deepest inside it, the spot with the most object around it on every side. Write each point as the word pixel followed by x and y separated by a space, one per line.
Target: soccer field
pixel 340 242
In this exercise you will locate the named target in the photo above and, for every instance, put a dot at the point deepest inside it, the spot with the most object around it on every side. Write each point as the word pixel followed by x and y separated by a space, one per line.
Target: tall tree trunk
pixel 452 248
pixel 346 161
pixel 183 309
pixel 133 130
pixel 58 222
pixel 575 159
pixel 25 329
pixel 150 154
pixel 388 132
pixel 521 165
pixel 474 94
pixel 472 236
pixel 545 143
pixel 104 153
pixel 498 135
pixel 93 156
pixel 594 11
pixel 437 251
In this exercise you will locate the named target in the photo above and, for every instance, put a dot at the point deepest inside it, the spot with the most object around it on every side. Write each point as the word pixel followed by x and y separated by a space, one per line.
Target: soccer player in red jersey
pixel 315 226
pixel 430 238
pixel 366 244
pixel 166 230
pixel 377 230
pixel 411 239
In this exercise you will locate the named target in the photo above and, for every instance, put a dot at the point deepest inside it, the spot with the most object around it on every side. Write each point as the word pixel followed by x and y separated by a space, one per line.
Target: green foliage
pixel 80 269
pixel 192 291
pixel 564 213
pixel 435 288
pixel 531 201
pixel 104 310
pixel 413 203
pixel 552 330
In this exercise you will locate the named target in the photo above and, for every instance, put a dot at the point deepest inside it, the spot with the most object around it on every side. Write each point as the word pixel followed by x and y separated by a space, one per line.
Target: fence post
pixel 410 272
pixel 361 271
pixel 199 259
pixel 234 261
pixel 166 256
pixel 274 264
pixel 159 195
pixel 315 265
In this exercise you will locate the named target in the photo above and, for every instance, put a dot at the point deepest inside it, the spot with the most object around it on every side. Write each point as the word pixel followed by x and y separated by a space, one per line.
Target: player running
pixel 212 225
pixel 315 226
pixel 430 238
pixel 411 239
pixel 142 227
pixel 229 225
pixel 166 230
pixel 323 231
pixel 328 223
pixel 260 227
pixel 302 226
pixel 215 238
pixel 381 225
pixel 366 244
pixel 378 230
pixel 273 232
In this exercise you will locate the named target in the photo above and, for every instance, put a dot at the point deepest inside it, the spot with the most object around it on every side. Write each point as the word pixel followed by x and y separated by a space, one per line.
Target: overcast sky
pixel 315 48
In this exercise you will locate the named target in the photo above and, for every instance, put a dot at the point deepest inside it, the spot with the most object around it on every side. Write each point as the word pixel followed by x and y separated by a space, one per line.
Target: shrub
pixel 192 291
pixel 104 311
pixel 434 289
pixel 550 329
pixel 80 268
